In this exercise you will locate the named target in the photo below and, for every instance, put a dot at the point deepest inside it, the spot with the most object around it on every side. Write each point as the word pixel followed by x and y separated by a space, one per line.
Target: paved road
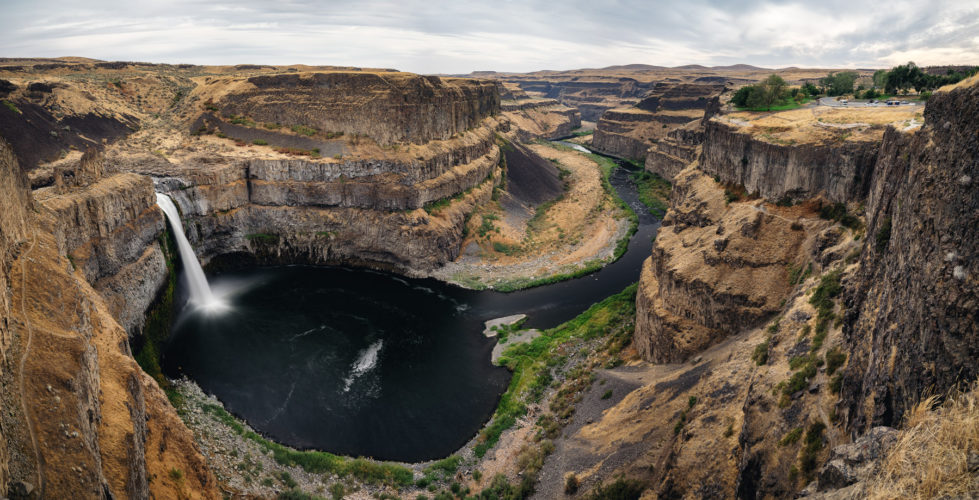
pixel 833 103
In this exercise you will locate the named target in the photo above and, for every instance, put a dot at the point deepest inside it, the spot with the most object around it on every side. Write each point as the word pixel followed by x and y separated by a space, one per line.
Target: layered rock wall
pixel 540 118
pixel 359 211
pixel 80 419
pixel 671 154
pixel 912 324
pixel 108 226
pixel 716 269
pixel 839 171
pixel 387 107
pixel 592 96
pixel 631 132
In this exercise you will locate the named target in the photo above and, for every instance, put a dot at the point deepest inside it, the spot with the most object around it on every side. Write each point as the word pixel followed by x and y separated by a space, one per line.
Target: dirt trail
pixel 23 359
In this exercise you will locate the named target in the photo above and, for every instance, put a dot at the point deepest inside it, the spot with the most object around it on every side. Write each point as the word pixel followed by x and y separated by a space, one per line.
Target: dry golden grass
pixel 968 82
pixel 823 124
pixel 930 459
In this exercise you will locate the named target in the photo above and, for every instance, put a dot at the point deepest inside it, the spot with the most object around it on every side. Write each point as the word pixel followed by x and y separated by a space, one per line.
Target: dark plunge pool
pixel 365 363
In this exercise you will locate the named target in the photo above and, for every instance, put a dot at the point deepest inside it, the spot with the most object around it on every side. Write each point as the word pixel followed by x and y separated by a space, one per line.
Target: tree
pixel 903 78
pixel 740 98
pixel 773 87
pixel 810 89
pixel 839 83
pixel 757 98
pixel 880 78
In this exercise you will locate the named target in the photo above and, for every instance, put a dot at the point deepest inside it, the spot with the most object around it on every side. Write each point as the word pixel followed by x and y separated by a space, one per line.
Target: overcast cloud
pixel 459 37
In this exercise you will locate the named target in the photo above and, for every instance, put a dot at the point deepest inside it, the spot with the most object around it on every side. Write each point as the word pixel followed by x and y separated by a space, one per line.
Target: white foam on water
pixel 365 362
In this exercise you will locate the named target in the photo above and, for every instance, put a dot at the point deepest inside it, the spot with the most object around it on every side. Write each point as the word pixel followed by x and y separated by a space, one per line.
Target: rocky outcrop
pixel 80 419
pixel 15 232
pixel 540 118
pixel 388 107
pixel 671 154
pixel 716 269
pixel 359 211
pixel 840 171
pixel 108 225
pixel 911 319
pixel 626 133
pixel 591 96
pixel 631 132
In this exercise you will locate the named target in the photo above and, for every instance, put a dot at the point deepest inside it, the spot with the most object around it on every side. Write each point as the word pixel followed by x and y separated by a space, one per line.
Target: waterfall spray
pixel 200 292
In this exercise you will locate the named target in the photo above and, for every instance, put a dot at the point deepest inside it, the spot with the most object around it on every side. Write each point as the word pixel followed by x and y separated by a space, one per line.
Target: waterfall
pixel 200 292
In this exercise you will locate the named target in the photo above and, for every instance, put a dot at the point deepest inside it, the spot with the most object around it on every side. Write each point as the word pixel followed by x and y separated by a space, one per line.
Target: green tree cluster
pixel 903 78
pixel 839 83
pixel 773 91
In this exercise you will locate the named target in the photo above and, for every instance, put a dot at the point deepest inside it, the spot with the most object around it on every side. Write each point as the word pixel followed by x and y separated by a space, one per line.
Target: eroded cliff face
pixel 388 107
pixel 15 207
pixel 717 268
pixel 911 321
pixel 592 95
pixel 681 146
pixel 360 211
pixel 841 329
pixel 668 108
pixel 80 419
pixel 108 225
pixel 540 118
pixel 839 170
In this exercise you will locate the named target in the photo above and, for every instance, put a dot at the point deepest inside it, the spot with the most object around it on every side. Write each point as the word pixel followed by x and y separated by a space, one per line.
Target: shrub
pixel 621 489
pixel 287 479
pixel 760 354
pixel 791 437
pixel 260 142
pixel 828 289
pixel 834 359
pixel 303 130
pixel 337 491
pixel 607 395
pixel 505 248
pixel 571 484
pixel 11 106
pixel 731 196
pixel 837 212
pixel 808 458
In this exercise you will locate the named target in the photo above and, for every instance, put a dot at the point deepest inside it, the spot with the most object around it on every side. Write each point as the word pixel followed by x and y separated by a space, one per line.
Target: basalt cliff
pixel 373 168
pixel 814 278
pixel 817 286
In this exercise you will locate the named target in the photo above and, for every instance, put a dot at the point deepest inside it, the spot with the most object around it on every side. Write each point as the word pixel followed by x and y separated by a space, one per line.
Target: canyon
pixel 813 278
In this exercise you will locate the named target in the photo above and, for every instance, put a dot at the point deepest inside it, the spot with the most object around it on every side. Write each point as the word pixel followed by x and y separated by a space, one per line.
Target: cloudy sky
pixel 436 36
